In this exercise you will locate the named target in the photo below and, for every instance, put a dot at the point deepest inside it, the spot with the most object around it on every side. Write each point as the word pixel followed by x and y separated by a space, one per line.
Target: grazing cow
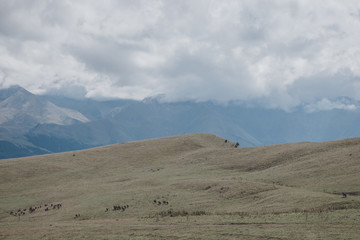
pixel 118 207
pixel 115 208
pixel 226 140
pixel 106 210
pixel 344 195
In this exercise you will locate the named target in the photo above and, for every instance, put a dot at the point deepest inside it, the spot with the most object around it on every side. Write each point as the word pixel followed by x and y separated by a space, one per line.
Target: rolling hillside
pixel 184 187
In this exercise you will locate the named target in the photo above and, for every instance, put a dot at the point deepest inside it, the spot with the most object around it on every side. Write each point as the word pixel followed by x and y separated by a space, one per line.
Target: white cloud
pixel 326 105
pixel 280 53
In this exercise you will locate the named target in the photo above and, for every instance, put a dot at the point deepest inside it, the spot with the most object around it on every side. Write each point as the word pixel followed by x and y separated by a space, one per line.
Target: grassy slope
pixel 289 191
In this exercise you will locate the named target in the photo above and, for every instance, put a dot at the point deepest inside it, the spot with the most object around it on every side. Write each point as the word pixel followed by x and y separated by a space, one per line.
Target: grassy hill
pixel 207 189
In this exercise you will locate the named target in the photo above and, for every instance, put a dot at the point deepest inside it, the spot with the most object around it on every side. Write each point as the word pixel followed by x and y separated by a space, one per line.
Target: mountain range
pixel 39 124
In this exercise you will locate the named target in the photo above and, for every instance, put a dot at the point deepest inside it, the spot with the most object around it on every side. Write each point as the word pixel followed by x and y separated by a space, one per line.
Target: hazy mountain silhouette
pixel 31 124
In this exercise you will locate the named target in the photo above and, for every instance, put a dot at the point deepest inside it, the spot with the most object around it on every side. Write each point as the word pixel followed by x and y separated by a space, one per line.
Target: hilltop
pixel 185 187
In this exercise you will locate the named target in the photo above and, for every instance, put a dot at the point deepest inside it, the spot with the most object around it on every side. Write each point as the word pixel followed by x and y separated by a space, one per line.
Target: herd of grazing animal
pixel 52 206
pixel 47 207
pixel 118 207
pixel 32 209
pixel 236 144
pixel 115 208
pixel 159 202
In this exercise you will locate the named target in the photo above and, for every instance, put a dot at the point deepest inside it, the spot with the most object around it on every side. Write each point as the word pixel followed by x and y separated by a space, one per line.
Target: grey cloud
pixel 324 85
pixel 104 56
pixel 71 91
pixel 21 20
pixel 205 75
pixel 275 53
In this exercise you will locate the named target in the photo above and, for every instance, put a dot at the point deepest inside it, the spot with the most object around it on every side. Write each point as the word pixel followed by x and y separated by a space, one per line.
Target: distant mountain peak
pixel 27 109
pixel 7 92
pixel 17 87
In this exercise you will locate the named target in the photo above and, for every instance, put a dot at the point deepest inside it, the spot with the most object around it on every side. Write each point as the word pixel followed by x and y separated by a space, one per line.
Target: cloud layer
pixel 281 54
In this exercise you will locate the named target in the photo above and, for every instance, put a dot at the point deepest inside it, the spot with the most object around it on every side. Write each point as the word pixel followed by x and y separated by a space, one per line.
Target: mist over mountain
pixel 31 124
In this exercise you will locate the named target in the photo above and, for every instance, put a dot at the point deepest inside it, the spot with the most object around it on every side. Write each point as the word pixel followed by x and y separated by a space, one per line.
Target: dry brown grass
pixel 215 191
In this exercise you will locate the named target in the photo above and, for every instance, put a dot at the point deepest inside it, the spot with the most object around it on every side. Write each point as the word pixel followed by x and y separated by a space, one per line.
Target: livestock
pixel 160 202
pixel 344 195
pixel 58 206
pixel 21 213
pixel 31 209
pixel 118 207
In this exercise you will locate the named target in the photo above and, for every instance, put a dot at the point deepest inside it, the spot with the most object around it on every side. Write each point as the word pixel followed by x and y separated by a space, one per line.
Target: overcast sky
pixel 280 54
